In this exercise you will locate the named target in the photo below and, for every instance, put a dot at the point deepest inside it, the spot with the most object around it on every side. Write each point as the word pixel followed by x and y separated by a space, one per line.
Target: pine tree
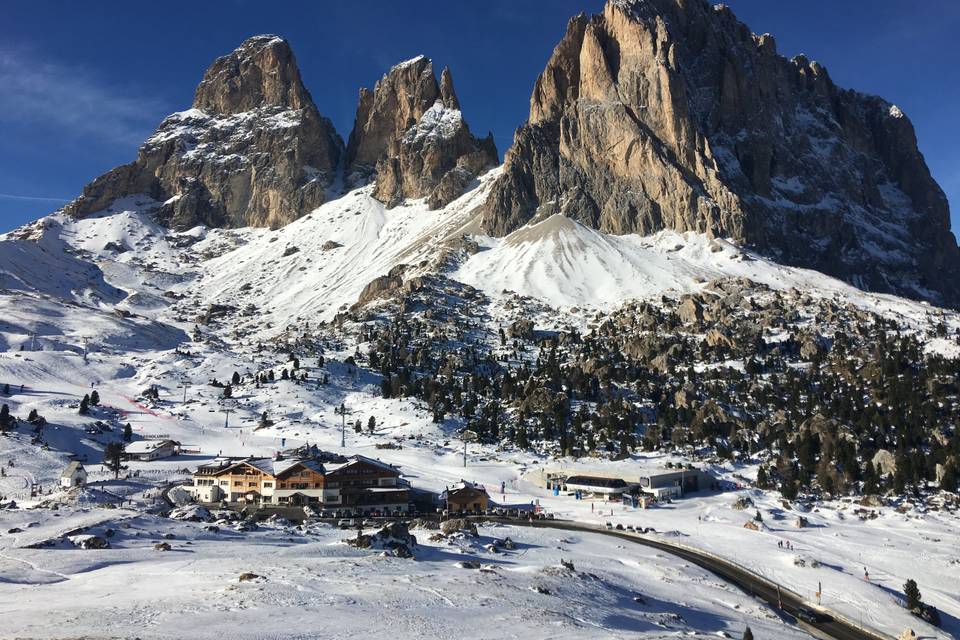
pixel 762 481
pixel 228 391
pixel 284 375
pixel 871 484
pixel 522 437
pixel 4 417
pixel 94 398
pixel 371 424
pixel 84 405
pixel 747 634
pixel 112 457
pixel 270 376
pixel 6 389
pixel 912 593
pixel 948 481
pixel 127 432
pixel 236 378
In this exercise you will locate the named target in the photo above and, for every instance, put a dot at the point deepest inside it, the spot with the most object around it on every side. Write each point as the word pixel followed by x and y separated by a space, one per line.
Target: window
pixel 252 484
pixel 267 485
pixel 237 483
pixel 224 483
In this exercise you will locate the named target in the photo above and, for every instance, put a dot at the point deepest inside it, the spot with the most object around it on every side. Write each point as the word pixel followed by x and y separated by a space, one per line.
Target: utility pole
pixel 185 387
pixel 85 350
pixel 343 424
pixel 226 417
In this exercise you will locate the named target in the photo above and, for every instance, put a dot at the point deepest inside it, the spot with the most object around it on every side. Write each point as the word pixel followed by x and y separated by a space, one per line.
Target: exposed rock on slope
pixel 253 150
pixel 670 114
pixel 409 133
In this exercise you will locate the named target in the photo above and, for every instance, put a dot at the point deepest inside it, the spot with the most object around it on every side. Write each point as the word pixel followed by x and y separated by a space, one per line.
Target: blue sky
pixel 82 84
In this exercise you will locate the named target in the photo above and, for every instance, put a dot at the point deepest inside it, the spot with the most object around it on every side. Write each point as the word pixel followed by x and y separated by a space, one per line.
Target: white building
pixel 146 450
pixel 73 476
pixel 596 485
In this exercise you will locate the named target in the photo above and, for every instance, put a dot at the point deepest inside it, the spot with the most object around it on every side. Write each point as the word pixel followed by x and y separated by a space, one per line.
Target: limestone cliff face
pixel 410 137
pixel 671 114
pixel 253 150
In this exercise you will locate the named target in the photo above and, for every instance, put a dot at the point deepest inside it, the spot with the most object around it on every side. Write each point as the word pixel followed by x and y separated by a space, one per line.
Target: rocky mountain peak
pixel 253 150
pixel 447 93
pixel 409 135
pixel 396 103
pixel 260 72
pixel 672 114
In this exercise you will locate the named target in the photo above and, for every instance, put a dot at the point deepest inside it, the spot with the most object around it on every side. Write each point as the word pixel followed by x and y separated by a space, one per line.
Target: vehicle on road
pixel 810 616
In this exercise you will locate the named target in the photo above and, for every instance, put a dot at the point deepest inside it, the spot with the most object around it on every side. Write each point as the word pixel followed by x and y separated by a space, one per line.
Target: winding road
pixel 830 625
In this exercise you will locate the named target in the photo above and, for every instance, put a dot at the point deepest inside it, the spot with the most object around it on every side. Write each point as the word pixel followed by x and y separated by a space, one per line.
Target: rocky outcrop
pixel 671 114
pixel 253 150
pixel 410 136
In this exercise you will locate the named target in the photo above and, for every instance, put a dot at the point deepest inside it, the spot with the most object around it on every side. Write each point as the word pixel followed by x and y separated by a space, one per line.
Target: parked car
pixel 810 616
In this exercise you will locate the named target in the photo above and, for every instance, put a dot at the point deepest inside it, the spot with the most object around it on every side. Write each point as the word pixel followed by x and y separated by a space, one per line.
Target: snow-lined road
pixel 781 599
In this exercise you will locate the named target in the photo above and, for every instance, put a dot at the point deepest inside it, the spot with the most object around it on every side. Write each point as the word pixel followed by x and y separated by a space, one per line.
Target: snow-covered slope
pixel 565 264
pixel 318 265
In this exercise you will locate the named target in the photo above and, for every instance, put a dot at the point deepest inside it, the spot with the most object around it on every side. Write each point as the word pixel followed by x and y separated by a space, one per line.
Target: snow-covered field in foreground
pixel 893 547
pixel 313 586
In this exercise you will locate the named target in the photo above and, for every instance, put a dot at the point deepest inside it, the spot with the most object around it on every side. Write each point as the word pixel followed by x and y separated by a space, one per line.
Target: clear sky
pixel 82 84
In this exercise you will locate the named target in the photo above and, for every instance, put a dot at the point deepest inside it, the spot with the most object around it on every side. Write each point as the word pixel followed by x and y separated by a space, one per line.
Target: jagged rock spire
pixel 671 114
pixel 447 93
pixel 410 135
pixel 261 72
pixel 253 151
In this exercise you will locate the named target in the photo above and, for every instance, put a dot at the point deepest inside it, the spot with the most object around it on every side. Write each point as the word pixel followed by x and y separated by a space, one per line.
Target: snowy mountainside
pixel 566 264
pixel 317 266
pixel 162 284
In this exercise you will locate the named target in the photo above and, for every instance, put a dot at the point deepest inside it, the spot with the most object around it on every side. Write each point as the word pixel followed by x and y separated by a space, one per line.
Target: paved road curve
pixel 829 626
pixel 758 587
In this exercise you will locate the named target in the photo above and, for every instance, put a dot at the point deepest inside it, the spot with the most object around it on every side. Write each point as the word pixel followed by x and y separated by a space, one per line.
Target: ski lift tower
pixel 468 436
pixel 342 410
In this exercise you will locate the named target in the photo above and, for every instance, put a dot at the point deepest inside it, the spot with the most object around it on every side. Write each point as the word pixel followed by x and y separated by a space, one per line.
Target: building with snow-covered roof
pixel 465 496
pixel 596 485
pixel 366 485
pixel 360 484
pixel 74 475
pixel 146 450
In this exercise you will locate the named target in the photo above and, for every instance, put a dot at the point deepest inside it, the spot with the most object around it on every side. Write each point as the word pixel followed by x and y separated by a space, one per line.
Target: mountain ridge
pixel 662 114
pixel 652 115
